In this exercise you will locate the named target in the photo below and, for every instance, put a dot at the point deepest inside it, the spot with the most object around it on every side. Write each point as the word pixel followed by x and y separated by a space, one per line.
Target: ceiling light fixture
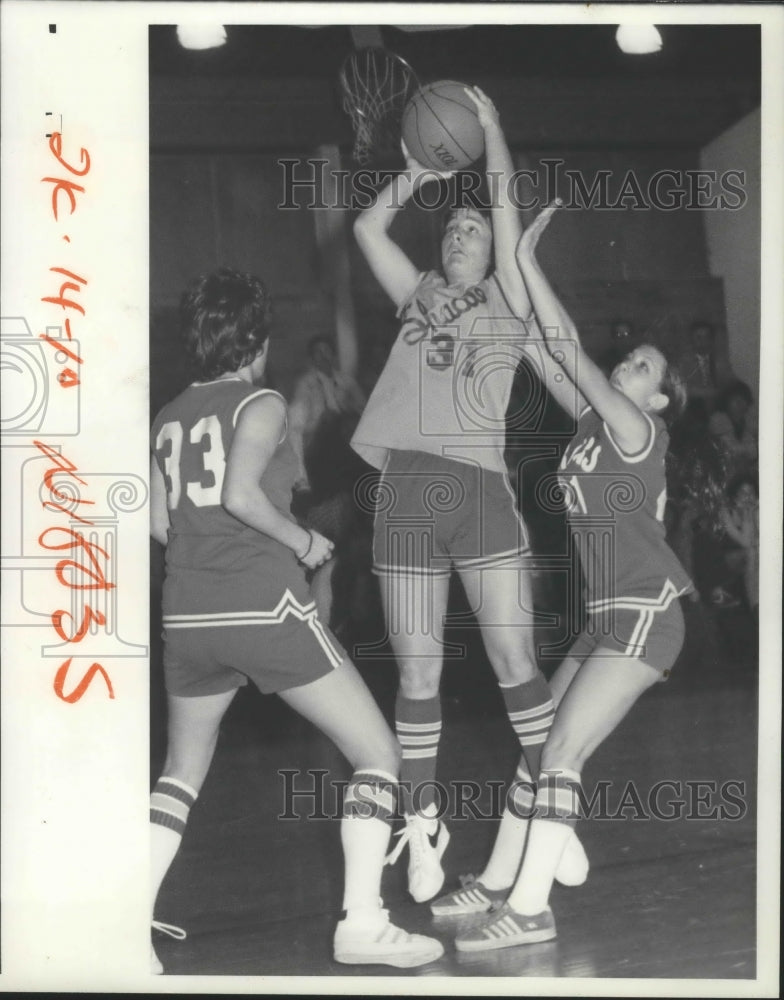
pixel 638 39
pixel 201 35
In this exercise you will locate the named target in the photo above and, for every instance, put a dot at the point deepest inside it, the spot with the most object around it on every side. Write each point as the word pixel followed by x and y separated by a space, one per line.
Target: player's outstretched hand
pixel 486 111
pixel 320 551
pixel 419 173
pixel 526 247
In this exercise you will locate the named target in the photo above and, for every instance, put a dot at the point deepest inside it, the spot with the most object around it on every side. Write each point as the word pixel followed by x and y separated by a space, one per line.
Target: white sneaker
pixel 427 839
pixel 573 867
pixel 371 939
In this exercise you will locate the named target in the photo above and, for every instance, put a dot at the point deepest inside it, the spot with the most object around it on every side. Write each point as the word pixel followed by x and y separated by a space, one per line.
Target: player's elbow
pixel 236 500
pixel 368 229
pixel 160 533
pixel 362 227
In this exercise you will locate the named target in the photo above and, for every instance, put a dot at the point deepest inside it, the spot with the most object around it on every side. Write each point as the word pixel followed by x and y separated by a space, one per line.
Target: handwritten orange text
pixel 72 286
pixel 80 567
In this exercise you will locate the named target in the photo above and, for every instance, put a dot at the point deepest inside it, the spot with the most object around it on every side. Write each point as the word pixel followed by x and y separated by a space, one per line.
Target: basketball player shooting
pixel 412 430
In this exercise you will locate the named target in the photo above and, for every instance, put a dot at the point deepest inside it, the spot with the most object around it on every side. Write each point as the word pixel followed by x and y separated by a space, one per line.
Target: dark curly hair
pixel 674 388
pixel 224 321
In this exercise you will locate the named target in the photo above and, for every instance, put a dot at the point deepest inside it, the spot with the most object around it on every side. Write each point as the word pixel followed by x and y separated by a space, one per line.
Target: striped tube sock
pixel 371 794
pixel 418 727
pixel 170 805
pixel 369 808
pixel 530 710
pixel 557 798
pixel 556 813
pixel 504 863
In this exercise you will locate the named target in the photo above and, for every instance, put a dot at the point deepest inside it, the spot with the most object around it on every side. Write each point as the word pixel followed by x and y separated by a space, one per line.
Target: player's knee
pixel 512 660
pixel 420 680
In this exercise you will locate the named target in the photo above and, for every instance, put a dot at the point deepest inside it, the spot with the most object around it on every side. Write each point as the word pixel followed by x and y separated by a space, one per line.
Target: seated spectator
pixel 731 425
pixel 726 560
pixel 740 520
pixel 696 498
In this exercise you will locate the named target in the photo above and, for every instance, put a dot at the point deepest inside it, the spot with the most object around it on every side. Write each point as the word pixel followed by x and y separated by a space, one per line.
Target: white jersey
pixel 446 384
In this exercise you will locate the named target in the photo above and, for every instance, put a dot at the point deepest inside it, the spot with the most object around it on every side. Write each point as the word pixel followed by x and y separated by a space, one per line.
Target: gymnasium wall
pixel 733 239
pixel 211 208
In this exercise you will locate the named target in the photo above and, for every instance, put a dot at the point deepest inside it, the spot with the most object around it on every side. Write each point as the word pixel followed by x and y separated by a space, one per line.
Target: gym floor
pixel 665 898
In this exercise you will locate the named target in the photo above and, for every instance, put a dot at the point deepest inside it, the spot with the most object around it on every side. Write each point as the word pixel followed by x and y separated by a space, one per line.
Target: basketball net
pixel 376 85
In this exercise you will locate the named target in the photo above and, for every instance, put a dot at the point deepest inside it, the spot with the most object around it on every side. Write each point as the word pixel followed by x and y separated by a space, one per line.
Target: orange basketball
pixel 441 128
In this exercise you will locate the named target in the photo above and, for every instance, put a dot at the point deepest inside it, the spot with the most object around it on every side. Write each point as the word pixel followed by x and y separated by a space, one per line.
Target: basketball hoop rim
pixel 374 81
pixel 388 53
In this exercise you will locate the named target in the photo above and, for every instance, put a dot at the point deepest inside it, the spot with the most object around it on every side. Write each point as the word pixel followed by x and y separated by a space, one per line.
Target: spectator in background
pixel 704 368
pixel 732 427
pixel 740 520
pixel 325 407
pixel 323 395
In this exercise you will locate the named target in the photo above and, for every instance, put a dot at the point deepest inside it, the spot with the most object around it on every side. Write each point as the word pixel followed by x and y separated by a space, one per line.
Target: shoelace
pixel 411 834
pixel 397 850
pixel 176 932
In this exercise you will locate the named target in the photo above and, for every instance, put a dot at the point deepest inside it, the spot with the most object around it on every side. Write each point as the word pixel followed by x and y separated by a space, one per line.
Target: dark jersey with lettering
pixel 446 385
pixel 615 507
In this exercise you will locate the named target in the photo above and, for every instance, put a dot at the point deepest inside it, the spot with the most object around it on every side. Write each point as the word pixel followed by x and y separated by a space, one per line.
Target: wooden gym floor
pixel 259 895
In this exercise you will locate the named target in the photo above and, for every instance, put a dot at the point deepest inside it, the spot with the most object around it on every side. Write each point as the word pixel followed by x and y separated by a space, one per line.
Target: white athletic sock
pixel 504 863
pixel 546 842
pixel 170 805
pixel 164 847
pixel 557 799
pixel 365 830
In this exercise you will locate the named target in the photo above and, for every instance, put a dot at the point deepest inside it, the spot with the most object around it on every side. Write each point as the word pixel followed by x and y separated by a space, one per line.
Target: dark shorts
pixel 643 632
pixel 434 513
pixel 283 645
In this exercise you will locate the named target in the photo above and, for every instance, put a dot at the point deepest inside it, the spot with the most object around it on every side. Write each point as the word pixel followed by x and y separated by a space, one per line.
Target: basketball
pixel 441 128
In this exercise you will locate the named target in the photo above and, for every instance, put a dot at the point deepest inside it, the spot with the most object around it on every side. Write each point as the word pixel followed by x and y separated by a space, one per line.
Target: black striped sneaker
pixel 504 929
pixel 471 897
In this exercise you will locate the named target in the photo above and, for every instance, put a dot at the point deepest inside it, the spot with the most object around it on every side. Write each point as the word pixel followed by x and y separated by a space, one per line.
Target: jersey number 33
pixel 201 463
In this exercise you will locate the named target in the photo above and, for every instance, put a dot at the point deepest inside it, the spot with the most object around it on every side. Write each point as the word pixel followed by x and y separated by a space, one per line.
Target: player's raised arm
pixel 260 427
pixel 551 374
pixel 507 225
pixel 626 421
pixel 395 272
